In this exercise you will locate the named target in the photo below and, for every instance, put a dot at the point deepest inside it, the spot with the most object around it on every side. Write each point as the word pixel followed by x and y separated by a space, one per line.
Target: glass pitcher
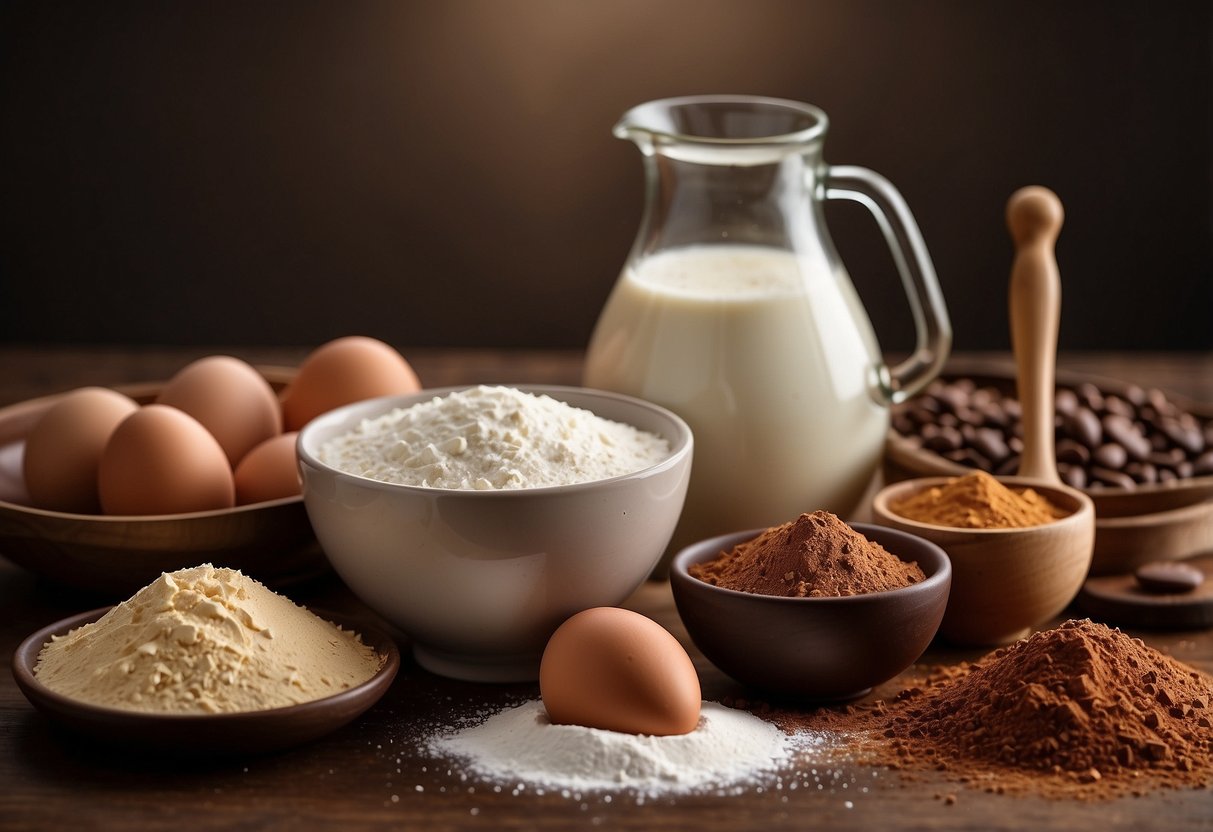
pixel 734 311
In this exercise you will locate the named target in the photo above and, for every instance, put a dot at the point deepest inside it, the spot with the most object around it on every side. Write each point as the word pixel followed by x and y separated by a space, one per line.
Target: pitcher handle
pixel 892 215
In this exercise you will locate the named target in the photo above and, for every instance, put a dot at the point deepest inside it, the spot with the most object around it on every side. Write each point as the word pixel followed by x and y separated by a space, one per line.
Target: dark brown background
pixel 443 173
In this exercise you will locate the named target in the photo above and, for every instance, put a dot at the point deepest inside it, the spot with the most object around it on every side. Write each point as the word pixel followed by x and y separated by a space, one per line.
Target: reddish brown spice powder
pixel 1078 711
pixel 817 555
pixel 978 501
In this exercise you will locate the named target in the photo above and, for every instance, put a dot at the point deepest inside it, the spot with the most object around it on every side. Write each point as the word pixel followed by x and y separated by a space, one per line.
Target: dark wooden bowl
pixel 819 649
pixel 250 732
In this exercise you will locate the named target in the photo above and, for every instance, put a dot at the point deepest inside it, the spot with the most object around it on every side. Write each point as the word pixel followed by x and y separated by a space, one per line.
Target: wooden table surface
pixel 372 775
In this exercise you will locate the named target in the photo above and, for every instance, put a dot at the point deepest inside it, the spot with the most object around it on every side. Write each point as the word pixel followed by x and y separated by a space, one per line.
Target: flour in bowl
pixel 487 438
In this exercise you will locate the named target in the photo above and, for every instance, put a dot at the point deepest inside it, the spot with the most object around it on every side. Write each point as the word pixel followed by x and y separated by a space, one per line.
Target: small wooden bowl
pixel 246 732
pixel 113 556
pixel 1004 581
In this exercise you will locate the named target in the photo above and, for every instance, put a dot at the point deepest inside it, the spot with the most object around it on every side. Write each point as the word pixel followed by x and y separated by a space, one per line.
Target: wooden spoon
pixel 1150 523
pixel 1006 581
pixel 1034 217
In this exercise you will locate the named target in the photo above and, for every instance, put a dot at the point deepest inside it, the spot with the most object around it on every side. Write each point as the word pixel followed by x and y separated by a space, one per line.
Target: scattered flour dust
pixel 730 749
pixel 488 438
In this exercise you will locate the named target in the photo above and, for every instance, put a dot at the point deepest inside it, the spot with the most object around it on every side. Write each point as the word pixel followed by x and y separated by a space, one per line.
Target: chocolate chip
pixel 1124 432
pixel 990 444
pixel 1111 455
pixel 1072 452
pixel 1185 435
pixel 1117 405
pixel 1167 458
pixel 1168 577
pixel 1090 395
pixel 1142 472
pixel 1158 400
pixel 1116 479
pixel 945 438
pixel 1083 425
pixel 993 415
pixel 1072 475
pixel 1203 465
pixel 1010 466
pixel 1066 402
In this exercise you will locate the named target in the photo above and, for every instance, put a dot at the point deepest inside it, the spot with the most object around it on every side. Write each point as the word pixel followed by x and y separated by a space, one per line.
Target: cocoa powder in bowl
pixel 815 556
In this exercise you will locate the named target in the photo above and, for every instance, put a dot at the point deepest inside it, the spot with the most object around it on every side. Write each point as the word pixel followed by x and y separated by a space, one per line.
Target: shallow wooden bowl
pixel 1004 581
pixel 241 733
pixel 113 556
pixel 1132 527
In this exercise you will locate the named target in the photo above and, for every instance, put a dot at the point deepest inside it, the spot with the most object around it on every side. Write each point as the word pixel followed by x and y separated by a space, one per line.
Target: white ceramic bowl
pixel 480 579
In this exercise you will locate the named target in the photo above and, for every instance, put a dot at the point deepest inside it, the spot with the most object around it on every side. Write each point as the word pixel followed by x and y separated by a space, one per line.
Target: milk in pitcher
pixel 768 356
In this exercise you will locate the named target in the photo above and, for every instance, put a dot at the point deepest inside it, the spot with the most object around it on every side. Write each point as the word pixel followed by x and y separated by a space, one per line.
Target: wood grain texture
pixel 373 775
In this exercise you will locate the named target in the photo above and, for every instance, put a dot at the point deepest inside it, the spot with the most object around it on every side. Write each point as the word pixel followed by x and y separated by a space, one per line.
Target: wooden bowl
pixel 1132 527
pixel 1004 581
pixel 113 556
pixel 818 649
pixel 246 732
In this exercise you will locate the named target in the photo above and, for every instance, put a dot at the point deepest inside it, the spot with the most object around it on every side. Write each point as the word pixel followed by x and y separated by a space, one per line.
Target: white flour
pixel 492 438
pixel 520 745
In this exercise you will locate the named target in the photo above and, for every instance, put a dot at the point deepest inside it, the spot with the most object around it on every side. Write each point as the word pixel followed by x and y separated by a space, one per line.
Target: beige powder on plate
pixel 205 640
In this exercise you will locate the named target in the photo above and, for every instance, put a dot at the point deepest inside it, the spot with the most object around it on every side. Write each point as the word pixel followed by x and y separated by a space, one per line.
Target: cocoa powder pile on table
pixel 1078 711
pixel 817 555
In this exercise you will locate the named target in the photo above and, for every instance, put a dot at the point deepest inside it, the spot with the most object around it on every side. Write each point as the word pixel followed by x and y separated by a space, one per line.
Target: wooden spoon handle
pixel 1034 217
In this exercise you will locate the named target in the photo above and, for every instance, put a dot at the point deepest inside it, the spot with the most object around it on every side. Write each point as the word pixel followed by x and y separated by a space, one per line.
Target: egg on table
pixel 63 449
pixel 343 371
pixel 617 670
pixel 161 460
pixel 230 399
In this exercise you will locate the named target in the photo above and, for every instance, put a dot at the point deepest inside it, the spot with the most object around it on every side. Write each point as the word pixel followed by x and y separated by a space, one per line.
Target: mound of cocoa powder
pixel 817 555
pixel 1082 710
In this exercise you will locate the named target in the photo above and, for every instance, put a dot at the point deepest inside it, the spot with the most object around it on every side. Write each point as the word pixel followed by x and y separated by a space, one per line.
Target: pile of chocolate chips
pixel 1103 440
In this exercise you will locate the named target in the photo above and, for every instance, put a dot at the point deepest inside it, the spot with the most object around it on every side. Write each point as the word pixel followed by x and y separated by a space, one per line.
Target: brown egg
pixel 615 669
pixel 161 460
pixel 343 371
pixel 269 471
pixel 231 400
pixel 63 450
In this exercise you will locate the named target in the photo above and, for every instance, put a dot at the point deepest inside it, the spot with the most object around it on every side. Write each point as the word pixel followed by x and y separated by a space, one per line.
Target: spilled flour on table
pixel 730 752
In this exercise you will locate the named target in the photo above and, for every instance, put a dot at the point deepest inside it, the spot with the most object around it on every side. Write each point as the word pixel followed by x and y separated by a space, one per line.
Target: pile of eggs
pixel 216 436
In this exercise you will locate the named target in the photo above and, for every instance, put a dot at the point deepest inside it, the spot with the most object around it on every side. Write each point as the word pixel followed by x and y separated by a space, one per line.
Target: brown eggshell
pixel 63 450
pixel 231 400
pixel 614 669
pixel 269 471
pixel 344 371
pixel 161 460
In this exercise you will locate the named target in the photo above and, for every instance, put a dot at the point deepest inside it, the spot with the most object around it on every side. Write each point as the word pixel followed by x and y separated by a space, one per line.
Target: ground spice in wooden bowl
pixel 1082 710
pixel 978 501
pixel 816 555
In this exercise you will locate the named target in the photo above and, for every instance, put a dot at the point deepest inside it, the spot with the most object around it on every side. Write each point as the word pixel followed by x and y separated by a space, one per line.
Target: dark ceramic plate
pixel 250 732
